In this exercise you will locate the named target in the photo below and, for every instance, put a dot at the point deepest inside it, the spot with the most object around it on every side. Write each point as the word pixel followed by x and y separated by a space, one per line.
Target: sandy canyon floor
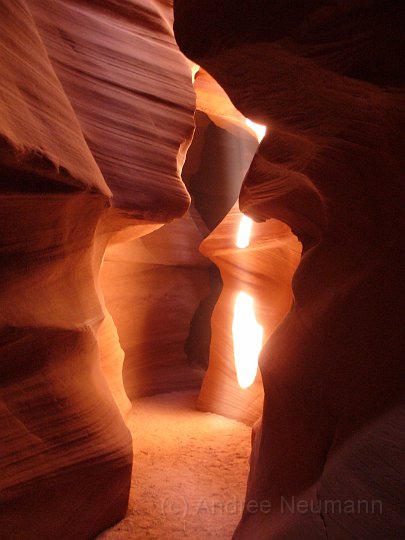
pixel 190 472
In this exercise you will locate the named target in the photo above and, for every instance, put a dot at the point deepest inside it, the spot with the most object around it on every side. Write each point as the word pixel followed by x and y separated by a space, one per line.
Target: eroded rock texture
pixel 327 80
pixel 262 270
pixel 130 88
pixel 152 287
pixel 90 94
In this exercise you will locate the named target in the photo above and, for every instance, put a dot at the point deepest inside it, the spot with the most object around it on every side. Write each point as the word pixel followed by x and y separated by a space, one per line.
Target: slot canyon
pixel 201 278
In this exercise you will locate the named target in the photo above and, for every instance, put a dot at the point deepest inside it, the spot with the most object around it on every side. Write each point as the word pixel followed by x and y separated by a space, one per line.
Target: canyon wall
pixel 263 270
pixel 327 80
pixel 96 113
pixel 152 287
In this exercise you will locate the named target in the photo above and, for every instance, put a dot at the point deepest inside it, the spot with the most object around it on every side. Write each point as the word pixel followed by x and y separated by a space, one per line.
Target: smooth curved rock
pixel 152 287
pixel 131 91
pixel 68 102
pixel 263 270
pixel 64 442
pixel 327 81
pixel 42 147
pixel 225 158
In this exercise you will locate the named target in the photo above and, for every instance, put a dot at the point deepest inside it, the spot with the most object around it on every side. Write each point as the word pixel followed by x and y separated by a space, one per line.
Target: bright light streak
pixel 257 128
pixel 245 228
pixel 195 68
pixel 247 340
pixel 247 333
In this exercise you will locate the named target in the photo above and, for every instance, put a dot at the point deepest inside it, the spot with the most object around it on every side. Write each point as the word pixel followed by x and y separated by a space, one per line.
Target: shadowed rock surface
pixel 328 81
pixel 96 115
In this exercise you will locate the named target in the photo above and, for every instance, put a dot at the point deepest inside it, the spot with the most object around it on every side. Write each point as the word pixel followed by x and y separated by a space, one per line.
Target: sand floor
pixel 190 472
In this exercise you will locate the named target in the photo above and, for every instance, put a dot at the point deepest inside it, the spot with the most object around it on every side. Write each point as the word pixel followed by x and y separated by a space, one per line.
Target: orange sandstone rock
pixel 328 81
pixel 263 270
pixel 131 90
pixel 89 96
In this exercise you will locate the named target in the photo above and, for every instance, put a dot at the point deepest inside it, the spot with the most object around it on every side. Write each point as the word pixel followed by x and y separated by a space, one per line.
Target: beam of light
pixel 257 128
pixel 247 333
pixel 247 340
pixel 243 237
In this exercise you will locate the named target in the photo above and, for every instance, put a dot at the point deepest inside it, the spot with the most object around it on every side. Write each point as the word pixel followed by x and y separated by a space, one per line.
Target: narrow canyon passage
pixel 190 471
pixel 201 233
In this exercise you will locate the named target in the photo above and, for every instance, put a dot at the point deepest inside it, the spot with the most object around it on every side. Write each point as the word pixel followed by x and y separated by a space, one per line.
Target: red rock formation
pixel 327 81
pixel 213 101
pixel 130 89
pixel 152 287
pixel 263 270
pixel 78 82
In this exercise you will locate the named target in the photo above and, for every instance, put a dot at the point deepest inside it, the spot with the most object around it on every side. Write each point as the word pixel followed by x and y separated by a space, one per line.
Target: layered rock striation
pixel 96 112
pixel 152 287
pixel 263 270
pixel 328 81
pixel 131 91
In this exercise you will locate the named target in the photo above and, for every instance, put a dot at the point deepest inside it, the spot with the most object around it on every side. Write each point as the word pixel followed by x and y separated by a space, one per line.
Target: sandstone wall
pixel 328 81
pixel 96 112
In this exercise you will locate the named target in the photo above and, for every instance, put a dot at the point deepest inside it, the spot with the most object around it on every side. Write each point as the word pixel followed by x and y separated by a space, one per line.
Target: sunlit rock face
pixel 131 91
pixel 212 99
pixel 72 130
pixel 327 80
pixel 214 182
pixel 263 270
pixel 216 163
pixel 152 287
